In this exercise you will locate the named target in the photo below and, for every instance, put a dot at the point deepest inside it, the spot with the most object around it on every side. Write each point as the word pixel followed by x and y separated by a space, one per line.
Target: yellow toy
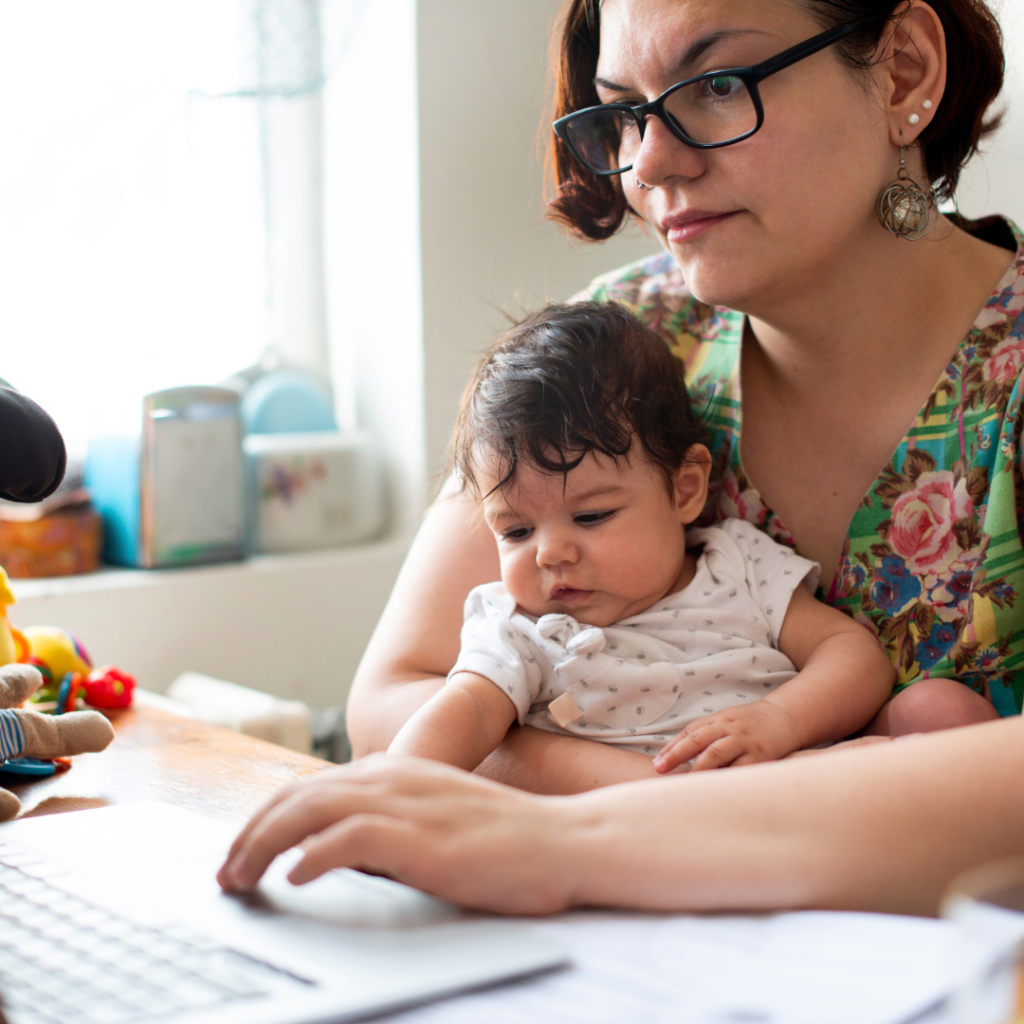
pixel 55 652
pixel 13 646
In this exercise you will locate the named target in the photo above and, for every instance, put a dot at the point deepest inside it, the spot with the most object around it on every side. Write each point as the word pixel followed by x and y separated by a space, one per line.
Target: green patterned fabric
pixel 934 562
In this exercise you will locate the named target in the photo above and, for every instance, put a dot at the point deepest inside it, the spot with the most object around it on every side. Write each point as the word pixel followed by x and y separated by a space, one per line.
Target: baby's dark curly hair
pixel 570 380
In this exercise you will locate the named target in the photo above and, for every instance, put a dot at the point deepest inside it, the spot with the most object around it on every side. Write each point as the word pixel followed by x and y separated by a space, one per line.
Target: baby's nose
pixel 556 548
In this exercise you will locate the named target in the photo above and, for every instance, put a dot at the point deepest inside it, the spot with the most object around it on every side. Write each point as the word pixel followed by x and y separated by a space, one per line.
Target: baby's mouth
pixel 569 595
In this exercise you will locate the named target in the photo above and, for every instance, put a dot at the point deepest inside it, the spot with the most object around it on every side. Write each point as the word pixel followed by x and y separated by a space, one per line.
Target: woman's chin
pixel 720 287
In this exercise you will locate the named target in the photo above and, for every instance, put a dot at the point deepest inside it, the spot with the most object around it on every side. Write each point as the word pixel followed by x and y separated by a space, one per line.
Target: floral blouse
pixel 934 560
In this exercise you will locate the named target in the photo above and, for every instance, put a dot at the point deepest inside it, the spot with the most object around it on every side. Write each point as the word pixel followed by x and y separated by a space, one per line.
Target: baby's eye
pixel 519 533
pixel 592 518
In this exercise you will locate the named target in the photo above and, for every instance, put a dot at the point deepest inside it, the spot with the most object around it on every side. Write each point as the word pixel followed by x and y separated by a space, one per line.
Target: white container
pixel 315 490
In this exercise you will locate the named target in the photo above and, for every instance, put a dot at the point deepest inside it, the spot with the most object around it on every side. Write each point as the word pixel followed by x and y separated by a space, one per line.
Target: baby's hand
pixel 746 734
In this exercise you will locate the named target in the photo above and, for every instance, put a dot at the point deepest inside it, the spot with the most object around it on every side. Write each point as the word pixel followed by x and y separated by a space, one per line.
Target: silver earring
pixel 904 208
pixel 640 185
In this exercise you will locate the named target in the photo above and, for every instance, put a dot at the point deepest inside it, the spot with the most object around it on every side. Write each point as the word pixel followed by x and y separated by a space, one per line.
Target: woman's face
pixel 780 211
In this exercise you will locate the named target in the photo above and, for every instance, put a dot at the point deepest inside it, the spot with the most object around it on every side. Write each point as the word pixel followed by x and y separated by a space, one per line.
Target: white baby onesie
pixel 643 679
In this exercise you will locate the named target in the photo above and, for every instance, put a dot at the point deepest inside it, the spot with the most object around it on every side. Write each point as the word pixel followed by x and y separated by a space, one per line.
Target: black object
pixel 32 455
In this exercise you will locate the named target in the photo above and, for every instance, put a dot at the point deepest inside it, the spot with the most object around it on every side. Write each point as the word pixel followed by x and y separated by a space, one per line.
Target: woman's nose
pixel 662 156
pixel 556 547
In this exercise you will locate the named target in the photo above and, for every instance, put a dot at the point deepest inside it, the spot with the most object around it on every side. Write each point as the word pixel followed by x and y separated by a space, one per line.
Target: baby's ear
pixel 17 684
pixel 691 483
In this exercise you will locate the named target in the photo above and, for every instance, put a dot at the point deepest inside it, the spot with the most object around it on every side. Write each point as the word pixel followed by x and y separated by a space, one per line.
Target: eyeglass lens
pixel 708 111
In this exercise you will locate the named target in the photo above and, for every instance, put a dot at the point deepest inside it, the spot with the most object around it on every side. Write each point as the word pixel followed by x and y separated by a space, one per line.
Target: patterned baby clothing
pixel 712 645
pixel 934 558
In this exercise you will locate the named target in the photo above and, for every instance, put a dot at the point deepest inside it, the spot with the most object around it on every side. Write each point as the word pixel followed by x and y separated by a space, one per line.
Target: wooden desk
pixel 160 757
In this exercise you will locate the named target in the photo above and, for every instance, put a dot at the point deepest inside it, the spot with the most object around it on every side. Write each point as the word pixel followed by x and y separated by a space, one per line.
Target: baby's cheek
pixel 519 574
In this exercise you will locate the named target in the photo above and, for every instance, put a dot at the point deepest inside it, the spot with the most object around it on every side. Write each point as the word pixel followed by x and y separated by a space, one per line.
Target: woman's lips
pixel 687 226
pixel 569 595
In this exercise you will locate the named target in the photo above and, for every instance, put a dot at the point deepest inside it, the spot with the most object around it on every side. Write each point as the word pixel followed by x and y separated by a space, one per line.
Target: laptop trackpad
pixel 349 898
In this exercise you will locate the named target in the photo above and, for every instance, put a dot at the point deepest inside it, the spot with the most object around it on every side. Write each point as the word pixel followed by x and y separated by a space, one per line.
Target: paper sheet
pixel 800 968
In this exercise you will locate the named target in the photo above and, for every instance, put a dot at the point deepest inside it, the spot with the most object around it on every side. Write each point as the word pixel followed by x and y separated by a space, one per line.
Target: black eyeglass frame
pixel 750 76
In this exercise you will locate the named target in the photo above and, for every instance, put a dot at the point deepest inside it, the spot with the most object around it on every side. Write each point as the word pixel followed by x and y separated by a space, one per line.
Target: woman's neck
pixel 885 306
pixel 833 376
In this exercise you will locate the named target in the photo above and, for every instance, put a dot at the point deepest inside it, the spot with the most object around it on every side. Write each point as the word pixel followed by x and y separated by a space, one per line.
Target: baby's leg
pixel 931 705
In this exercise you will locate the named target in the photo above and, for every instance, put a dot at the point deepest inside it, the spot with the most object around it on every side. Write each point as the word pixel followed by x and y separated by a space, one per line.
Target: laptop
pixel 113 915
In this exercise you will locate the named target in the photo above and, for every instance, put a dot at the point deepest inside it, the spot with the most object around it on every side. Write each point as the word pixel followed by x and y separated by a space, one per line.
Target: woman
pixel 839 330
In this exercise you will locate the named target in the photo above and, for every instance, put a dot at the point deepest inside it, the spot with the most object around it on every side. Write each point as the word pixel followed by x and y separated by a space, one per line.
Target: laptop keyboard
pixel 64 960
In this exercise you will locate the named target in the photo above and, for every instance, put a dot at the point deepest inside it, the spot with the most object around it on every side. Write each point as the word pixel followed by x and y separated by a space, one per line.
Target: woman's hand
pixel 432 826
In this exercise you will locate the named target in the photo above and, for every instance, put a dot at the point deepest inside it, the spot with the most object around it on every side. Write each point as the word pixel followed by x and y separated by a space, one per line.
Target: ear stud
pixel 913 119
pixel 927 104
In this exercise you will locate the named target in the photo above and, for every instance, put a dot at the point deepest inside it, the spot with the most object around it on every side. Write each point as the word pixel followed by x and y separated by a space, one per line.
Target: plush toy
pixel 25 733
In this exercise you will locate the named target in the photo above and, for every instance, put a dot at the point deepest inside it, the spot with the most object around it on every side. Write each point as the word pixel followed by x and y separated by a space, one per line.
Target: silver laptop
pixel 113 915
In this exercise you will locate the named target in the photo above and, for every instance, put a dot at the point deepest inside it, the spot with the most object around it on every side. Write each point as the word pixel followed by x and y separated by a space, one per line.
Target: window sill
pixel 294 625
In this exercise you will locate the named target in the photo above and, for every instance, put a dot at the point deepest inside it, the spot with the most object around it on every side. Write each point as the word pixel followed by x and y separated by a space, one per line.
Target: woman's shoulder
pixel 653 288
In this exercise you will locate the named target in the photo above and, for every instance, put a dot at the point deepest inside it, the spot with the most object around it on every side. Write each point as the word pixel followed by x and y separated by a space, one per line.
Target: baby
pixel 613 621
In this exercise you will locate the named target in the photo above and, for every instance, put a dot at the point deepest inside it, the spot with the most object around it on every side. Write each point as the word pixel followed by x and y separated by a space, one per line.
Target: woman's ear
pixel 912 71
pixel 690 483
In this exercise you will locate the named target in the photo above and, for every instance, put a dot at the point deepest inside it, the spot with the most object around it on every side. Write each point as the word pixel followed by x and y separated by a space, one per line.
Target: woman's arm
pixel 882 828
pixel 417 641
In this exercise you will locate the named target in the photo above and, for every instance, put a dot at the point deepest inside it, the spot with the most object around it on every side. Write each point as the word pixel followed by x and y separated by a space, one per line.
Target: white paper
pixel 811 967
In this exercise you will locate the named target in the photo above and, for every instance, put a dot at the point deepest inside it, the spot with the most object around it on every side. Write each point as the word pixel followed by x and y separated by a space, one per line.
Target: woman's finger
pixel 258 815
pixel 304 813
pixel 393 786
pixel 371 842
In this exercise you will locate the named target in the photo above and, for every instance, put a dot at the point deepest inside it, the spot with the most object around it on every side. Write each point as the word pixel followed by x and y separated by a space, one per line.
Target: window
pixel 137 210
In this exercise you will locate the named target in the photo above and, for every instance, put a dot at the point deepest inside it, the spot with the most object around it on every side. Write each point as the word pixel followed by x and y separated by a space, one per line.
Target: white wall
pixel 995 183
pixel 486 245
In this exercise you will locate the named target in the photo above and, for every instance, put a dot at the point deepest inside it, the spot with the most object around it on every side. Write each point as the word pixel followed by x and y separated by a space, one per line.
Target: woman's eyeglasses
pixel 712 110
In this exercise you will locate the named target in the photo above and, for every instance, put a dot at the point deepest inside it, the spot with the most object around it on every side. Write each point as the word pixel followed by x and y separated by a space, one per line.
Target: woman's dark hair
pixel 570 380
pixel 594 207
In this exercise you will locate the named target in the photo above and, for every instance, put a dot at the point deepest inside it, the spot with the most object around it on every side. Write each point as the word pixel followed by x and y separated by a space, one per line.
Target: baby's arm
pixel 843 679
pixel 460 725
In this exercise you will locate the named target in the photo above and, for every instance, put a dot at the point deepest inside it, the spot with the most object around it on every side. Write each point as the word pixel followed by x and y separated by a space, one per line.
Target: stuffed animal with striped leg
pixel 25 733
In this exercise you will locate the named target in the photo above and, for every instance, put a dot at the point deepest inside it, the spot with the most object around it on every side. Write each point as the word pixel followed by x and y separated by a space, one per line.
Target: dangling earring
pixel 904 208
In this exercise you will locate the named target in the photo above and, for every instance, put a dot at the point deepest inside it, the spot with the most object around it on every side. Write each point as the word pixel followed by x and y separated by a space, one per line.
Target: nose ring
pixel 640 185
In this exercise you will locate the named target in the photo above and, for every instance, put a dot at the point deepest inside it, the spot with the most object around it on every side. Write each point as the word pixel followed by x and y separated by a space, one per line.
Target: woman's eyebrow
pixel 693 53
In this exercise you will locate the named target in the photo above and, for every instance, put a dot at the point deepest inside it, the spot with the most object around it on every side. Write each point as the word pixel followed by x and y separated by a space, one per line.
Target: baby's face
pixel 601 545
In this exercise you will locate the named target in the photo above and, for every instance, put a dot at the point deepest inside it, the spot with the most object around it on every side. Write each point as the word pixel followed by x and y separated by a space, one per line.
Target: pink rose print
pixel 1009 302
pixel 737 504
pixel 1004 364
pixel 922 522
